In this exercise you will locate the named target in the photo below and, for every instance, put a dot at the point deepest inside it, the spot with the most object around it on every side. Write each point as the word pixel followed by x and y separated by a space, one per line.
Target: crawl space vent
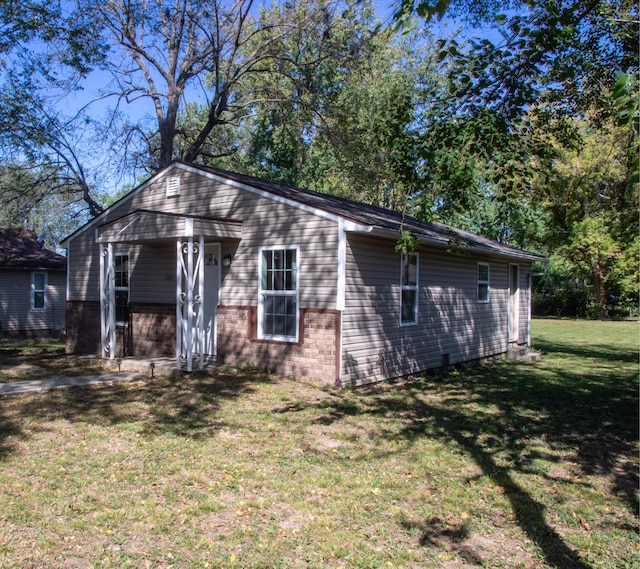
pixel 173 187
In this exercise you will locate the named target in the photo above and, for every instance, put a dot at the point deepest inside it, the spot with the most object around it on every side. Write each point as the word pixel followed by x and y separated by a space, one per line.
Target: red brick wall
pixel 152 330
pixel 83 327
pixel 315 355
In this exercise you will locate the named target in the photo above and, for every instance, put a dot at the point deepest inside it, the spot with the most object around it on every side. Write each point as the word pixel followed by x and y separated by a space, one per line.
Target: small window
pixel 39 291
pixel 483 282
pixel 121 274
pixel 278 303
pixel 409 289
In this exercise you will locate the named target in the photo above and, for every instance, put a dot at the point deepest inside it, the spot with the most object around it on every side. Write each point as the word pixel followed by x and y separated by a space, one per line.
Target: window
pixel 39 291
pixel 278 302
pixel 483 282
pixel 121 274
pixel 409 289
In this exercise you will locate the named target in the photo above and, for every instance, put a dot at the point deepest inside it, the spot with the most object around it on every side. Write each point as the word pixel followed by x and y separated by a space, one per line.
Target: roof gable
pixel 357 217
pixel 20 249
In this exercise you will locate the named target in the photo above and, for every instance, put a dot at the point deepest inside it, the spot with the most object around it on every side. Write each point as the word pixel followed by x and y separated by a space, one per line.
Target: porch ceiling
pixel 153 226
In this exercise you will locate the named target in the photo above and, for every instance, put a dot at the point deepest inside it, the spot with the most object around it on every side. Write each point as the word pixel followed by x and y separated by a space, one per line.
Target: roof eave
pixel 443 243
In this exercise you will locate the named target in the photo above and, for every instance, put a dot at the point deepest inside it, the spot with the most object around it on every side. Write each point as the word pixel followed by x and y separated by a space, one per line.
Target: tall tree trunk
pixel 600 287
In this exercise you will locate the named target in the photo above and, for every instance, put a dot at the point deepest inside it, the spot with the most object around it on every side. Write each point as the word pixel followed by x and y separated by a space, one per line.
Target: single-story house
pixel 204 264
pixel 33 281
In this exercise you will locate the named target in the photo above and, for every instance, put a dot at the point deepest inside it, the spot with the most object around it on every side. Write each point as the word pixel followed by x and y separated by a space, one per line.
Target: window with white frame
pixel 121 274
pixel 39 291
pixel 409 289
pixel 483 282
pixel 278 294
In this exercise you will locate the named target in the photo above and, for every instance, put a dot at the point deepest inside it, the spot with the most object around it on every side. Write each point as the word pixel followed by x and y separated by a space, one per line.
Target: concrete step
pixel 162 366
pixel 522 354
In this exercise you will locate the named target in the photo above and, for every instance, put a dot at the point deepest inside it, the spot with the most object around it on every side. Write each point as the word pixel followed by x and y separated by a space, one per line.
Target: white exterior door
pixel 212 262
pixel 514 303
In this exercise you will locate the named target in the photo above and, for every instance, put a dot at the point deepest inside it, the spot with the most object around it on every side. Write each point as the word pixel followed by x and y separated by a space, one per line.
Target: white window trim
pixel 261 293
pixel 415 288
pixel 128 287
pixel 483 282
pixel 45 290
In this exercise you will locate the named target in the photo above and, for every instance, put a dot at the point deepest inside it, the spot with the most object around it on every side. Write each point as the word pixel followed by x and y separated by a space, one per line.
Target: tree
pixel 169 54
pixel 356 135
pixel 48 53
pixel 554 62
pixel 30 198
pixel 590 200
pixel 213 50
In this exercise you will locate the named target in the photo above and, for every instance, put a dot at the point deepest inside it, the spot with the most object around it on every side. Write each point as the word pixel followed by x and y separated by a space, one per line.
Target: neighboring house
pixel 199 263
pixel 33 282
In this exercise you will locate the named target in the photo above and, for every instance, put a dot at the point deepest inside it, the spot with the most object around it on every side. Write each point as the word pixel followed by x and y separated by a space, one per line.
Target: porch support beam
pixel 107 302
pixel 189 299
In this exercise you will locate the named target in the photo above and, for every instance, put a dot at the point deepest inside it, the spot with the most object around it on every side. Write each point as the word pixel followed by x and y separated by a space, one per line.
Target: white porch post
pixel 189 296
pixel 179 304
pixel 198 303
pixel 107 302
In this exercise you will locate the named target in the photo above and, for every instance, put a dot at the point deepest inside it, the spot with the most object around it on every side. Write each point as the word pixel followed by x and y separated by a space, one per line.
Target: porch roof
pixel 153 226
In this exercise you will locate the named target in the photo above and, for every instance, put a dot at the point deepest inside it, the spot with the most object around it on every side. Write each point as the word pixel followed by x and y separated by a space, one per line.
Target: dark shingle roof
pixel 20 249
pixel 378 218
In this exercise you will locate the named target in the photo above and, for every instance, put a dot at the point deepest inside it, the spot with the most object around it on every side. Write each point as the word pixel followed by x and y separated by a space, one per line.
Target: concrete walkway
pixel 18 387
pixel 124 369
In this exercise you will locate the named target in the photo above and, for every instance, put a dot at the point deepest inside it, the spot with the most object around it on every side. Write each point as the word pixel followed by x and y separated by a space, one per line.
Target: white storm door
pixel 212 262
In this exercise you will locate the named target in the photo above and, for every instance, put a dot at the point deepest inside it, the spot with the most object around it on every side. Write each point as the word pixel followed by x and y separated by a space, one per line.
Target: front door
pixel 514 303
pixel 212 263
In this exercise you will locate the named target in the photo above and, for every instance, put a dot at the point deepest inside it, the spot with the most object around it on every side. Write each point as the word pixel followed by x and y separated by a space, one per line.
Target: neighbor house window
pixel 121 274
pixel 483 282
pixel 278 302
pixel 39 291
pixel 409 289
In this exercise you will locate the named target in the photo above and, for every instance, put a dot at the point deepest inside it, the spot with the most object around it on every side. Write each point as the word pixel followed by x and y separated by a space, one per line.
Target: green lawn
pixel 24 360
pixel 526 465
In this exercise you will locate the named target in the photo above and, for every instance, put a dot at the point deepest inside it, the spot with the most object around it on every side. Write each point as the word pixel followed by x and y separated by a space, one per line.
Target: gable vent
pixel 173 187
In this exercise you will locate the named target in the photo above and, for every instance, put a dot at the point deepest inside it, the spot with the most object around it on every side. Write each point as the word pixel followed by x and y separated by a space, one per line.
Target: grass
pixel 528 465
pixel 24 360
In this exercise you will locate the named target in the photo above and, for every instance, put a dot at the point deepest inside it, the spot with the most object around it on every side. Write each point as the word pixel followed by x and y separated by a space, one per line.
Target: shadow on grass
pixel 601 352
pixel 177 406
pixel 545 412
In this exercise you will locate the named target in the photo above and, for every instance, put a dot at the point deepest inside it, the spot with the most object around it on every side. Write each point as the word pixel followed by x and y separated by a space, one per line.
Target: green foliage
pixel 31 199
pixel 591 214
pixel 353 130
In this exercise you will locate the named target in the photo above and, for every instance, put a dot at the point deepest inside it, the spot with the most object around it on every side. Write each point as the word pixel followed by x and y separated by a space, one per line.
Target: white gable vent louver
pixel 173 187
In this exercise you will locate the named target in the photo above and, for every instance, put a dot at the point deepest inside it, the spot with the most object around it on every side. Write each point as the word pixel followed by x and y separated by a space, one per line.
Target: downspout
pixel 341 294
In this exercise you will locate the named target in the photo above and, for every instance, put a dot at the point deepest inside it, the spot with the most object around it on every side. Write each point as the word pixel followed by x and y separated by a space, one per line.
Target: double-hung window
pixel 121 274
pixel 409 289
pixel 278 294
pixel 483 282
pixel 39 291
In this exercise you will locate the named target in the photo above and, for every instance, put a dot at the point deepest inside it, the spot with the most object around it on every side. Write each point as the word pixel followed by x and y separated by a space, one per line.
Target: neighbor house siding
pixel 16 314
pixel 451 323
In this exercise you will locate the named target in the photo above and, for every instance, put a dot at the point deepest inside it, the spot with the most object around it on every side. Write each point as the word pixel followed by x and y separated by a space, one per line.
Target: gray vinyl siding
pixel 16 314
pixel 265 223
pixel 450 320
pixel 524 324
